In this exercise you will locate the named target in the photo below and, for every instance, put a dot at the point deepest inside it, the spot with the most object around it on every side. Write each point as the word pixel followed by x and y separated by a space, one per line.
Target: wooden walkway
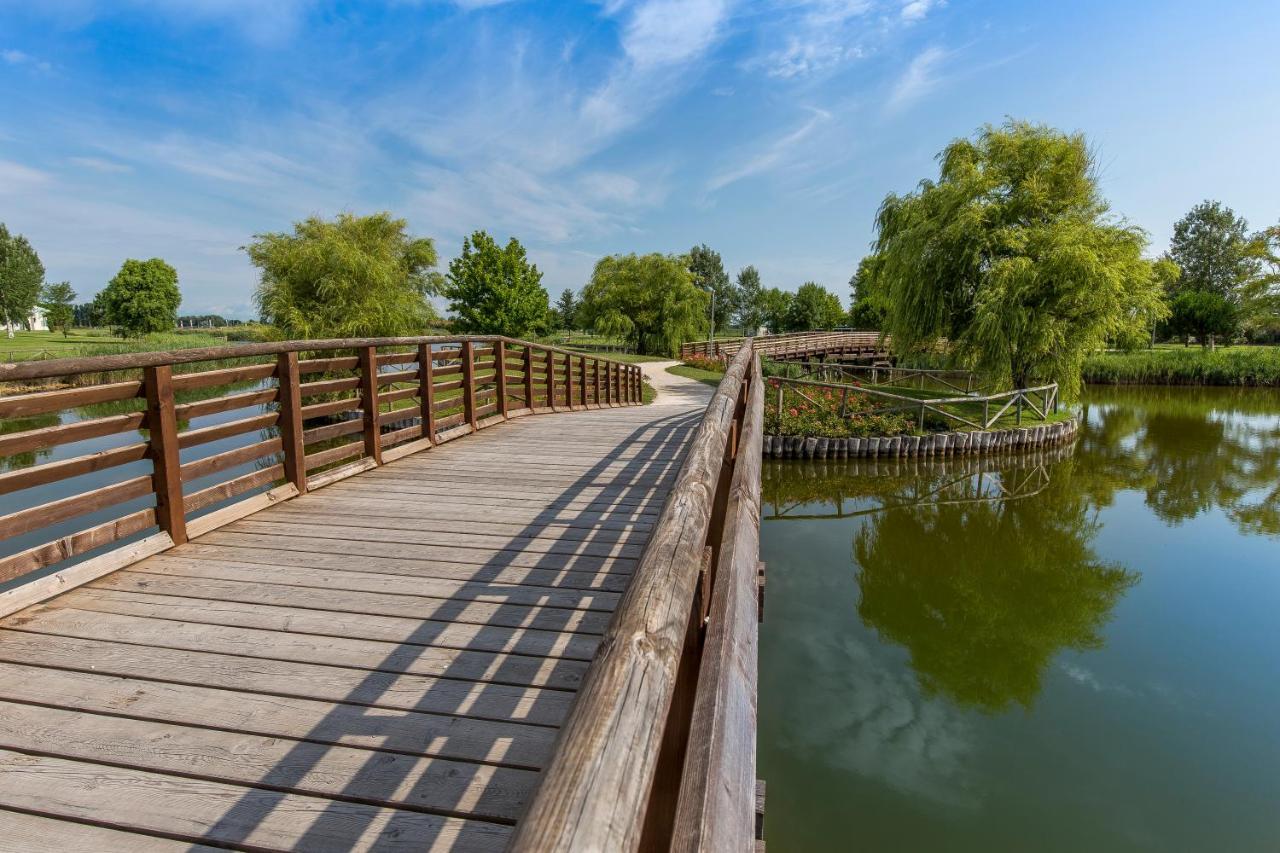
pixel 382 663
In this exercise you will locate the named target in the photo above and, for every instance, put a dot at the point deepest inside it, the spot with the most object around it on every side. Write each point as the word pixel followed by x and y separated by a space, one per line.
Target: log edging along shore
pixel 935 445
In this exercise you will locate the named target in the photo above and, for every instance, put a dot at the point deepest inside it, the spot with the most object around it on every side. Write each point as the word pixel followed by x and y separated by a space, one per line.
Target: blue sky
pixel 770 130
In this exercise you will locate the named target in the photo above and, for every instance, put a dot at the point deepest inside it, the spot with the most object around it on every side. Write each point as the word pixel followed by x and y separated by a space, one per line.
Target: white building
pixel 37 322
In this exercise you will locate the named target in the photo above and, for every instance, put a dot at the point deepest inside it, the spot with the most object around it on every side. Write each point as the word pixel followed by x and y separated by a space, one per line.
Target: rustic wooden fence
pixel 791 346
pixel 659 749
pixel 321 410
pixel 977 411
pixel 959 381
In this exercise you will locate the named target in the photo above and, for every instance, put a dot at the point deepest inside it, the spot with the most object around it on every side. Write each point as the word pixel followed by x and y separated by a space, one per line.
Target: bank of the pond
pixel 975 442
pixel 1247 366
pixel 1070 649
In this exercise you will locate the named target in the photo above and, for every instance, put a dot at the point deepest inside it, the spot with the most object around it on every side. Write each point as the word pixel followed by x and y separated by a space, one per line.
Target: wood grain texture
pixel 593 795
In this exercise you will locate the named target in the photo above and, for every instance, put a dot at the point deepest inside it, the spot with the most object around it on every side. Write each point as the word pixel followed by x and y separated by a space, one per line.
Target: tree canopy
pixel 494 290
pixel 750 313
pixel 353 276
pixel 142 298
pixel 814 308
pixel 21 275
pixel 567 309
pixel 708 274
pixel 1012 256
pixel 56 299
pixel 649 300
pixel 866 303
pixel 775 305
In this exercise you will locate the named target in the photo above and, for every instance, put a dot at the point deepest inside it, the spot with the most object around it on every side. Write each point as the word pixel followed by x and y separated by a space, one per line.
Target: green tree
pixel 142 298
pixel 353 276
pixel 649 300
pixel 750 313
pixel 1011 256
pixel 775 305
pixel 56 301
pixel 708 274
pixel 567 309
pixel 494 290
pixel 814 308
pixel 1260 296
pixel 866 302
pixel 1218 259
pixel 21 275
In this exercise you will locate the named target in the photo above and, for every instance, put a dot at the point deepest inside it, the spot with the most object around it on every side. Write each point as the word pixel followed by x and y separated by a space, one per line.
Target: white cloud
pixel 920 78
pixel 17 57
pixel 771 156
pixel 916 10
pixel 663 32
pixel 99 164
pixel 15 176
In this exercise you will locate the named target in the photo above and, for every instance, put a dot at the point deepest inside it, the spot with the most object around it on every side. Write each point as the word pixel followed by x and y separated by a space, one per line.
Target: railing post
pixel 162 436
pixel 427 391
pixel 528 377
pixel 500 364
pixel 369 402
pixel 582 377
pixel 551 379
pixel 1019 417
pixel 568 381
pixel 290 423
pixel 637 379
pixel 596 370
pixel 469 384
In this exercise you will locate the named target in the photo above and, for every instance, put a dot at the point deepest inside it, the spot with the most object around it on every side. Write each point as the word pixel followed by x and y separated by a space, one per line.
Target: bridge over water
pixel 454 593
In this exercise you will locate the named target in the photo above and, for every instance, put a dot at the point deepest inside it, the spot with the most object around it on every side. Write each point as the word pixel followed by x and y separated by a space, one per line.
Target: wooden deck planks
pixel 381 662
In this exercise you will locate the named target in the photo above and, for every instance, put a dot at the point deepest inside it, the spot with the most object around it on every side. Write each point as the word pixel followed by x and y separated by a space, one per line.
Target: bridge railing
pixel 791 345
pixel 658 751
pixel 181 442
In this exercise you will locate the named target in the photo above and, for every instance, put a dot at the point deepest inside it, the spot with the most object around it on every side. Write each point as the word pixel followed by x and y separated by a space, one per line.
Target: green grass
pixel 708 377
pixel 1177 365
pixel 26 346
pixel 627 357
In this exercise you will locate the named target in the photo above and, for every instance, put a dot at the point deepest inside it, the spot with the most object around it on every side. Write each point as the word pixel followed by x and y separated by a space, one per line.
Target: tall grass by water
pixel 1186 366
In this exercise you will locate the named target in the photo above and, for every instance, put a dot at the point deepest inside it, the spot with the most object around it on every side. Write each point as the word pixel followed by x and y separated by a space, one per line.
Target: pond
pixel 1073 651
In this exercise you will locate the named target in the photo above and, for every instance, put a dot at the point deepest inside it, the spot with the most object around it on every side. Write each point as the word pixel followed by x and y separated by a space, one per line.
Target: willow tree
pixel 1012 256
pixel 648 300
pixel 354 276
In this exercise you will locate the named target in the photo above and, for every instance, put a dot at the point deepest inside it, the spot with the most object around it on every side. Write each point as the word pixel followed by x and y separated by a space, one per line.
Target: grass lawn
pixel 708 377
pixel 25 346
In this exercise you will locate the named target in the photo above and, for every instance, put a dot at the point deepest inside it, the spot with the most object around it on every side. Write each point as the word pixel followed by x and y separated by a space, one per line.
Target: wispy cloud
pixel 917 10
pixel 99 164
pixel 12 56
pixel 15 176
pixel 771 156
pixel 920 78
pixel 663 32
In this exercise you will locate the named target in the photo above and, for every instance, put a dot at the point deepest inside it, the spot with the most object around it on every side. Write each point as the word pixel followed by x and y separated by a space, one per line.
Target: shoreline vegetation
pixel 1254 366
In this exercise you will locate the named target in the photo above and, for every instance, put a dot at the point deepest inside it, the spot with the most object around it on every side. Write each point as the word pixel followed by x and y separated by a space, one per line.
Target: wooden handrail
pixel 717 788
pixel 795 343
pixel 460 385
pixel 609 785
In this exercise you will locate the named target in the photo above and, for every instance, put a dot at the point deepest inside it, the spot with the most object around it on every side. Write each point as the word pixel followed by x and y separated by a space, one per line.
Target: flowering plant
pixel 830 413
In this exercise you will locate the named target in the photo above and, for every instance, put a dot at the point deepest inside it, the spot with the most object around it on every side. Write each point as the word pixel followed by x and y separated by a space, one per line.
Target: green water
pixel 1078 651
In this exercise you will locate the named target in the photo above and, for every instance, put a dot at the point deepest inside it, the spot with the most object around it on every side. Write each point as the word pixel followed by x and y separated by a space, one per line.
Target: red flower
pixel 794 413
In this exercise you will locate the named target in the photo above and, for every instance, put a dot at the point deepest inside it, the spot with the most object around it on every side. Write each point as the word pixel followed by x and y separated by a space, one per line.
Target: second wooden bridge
pixel 541 636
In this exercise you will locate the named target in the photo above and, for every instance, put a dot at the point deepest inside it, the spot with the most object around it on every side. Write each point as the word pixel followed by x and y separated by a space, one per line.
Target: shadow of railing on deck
pixel 626 496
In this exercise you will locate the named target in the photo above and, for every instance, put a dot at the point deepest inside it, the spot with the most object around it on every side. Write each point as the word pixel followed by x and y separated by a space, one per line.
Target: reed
pixel 1190 366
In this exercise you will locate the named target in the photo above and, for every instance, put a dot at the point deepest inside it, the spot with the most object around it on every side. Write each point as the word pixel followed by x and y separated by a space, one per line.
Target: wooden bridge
pixel 799 346
pixel 409 593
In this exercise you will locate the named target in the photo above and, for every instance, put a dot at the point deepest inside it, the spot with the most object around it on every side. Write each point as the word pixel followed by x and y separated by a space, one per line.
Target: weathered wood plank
pixel 442 735
pixel 519 670
pixel 435 785
pixel 503 615
pixel 23 832
pixel 196 810
pixel 326 682
pixel 424 576
pixel 424 632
